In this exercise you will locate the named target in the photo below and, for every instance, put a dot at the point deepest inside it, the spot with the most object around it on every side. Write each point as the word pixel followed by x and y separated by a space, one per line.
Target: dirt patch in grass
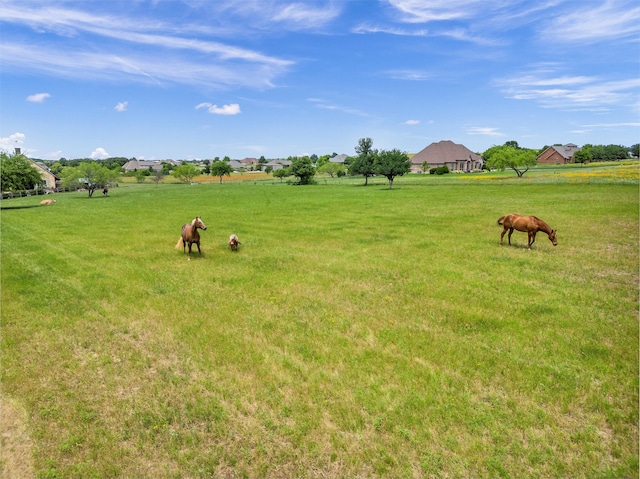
pixel 16 459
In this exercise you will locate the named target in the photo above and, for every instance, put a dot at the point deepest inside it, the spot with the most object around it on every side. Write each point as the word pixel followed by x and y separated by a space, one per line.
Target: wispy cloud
pixel 122 106
pixel 484 130
pixel 613 125
pixel 550 90
pixel 195 62
pixel 231 109
pixel 586 23
pixel 329 106
pixel 419 11
pixel 38 97
pixel 413 75
pixel 412 122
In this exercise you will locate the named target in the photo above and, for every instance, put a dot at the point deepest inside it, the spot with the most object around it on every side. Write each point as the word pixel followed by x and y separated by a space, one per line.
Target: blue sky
pixel 199 79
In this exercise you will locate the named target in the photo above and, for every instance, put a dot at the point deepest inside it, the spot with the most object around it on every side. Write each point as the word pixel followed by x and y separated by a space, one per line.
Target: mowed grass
pixel 358 332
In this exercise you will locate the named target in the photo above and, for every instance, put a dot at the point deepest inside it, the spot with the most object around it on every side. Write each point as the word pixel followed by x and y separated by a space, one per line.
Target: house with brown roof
pixel 558 155
pixel 447 153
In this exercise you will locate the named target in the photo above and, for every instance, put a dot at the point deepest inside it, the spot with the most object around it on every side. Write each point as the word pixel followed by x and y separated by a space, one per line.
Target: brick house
pixel 558 155
pixel 447 153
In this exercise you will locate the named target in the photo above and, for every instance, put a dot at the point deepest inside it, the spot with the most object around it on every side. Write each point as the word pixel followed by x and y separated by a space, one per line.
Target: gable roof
pixel 566 151
pixel 445 151
pixel 338 158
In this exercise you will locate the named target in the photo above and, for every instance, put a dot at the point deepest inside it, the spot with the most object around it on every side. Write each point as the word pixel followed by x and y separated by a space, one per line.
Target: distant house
pixel 447 153
pixel 135 165
pixel 236 165
pixel 558 155
pixel 276 164
pixel 250 163
pixel 338 159
pixel 51 181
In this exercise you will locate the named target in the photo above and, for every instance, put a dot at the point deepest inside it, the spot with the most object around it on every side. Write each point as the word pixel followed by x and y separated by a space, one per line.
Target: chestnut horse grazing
pixel 528 224
pixel 234 242
pixel 190 235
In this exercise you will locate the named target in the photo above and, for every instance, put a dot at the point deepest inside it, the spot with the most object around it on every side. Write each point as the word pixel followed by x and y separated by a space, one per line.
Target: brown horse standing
pixel 528 224
pixel 190 235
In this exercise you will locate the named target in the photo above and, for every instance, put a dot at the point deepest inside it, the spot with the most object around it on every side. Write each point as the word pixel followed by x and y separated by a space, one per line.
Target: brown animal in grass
pixel 528 224
pixel 47 202
pixel 234 242
pixel 190 235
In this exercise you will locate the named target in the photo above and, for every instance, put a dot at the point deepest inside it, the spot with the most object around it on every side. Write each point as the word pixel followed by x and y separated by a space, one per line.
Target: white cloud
pixel 194 62
pixel 484 130
pixel 588 23
pixel 231 109
pixel 319 103
pixel 99 154
pixel 550 90
pixel 38 97
pixel 122 106
pixel 10 142
pixel 419 11
pixel 412 122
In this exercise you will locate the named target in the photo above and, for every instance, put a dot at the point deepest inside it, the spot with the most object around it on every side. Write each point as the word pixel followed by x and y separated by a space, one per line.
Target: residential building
pixel 558 155
pixel 447 153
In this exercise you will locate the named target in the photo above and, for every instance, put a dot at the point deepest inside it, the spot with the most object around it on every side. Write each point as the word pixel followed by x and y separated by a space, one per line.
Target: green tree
pixel 364 162
pixel 185 173
pixel 506 156
pixel 331 169
pixel 583 155
pixel 17 173
pixel 281 173
pixel 635 150
pixel 221 168
pixel 303 169
pixel 392 163
pixel 90 175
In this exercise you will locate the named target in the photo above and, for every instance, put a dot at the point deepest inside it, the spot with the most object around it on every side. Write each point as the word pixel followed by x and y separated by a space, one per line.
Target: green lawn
pixel 358 332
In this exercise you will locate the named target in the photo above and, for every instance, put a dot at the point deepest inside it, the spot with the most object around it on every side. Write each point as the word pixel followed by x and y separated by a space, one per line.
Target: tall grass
pixel 358 332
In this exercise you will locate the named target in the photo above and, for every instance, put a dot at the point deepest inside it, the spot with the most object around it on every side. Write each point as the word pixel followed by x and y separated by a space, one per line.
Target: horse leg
pixel 510 233
pixel 502 235
pixel 189 255
pixel 198 244
pixel 532 239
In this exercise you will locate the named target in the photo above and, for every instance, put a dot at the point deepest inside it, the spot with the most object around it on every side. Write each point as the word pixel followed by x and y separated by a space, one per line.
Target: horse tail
pixel 179 243
pixel 501 220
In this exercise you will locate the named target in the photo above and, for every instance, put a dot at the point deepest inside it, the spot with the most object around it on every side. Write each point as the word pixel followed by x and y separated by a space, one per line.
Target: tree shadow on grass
pixel 3 207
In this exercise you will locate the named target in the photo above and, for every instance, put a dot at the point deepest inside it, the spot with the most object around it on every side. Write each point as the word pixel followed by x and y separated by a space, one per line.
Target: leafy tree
pixel 583 155
pixel 89 174
pixel 185 173
pixel 221 168
pixel 364 162
pixel 17 173
pixel 281 173
pixel 506 156
pixel 167 168
pixel 331 169
pixel 303 169
pixel 635 150
pixel 157 176
pixel 392 163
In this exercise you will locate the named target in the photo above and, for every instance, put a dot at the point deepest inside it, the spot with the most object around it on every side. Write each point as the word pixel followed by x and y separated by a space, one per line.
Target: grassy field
pixel 358 332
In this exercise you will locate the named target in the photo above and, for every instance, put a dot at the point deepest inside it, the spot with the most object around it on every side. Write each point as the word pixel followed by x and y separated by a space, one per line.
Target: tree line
pixel 17 173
